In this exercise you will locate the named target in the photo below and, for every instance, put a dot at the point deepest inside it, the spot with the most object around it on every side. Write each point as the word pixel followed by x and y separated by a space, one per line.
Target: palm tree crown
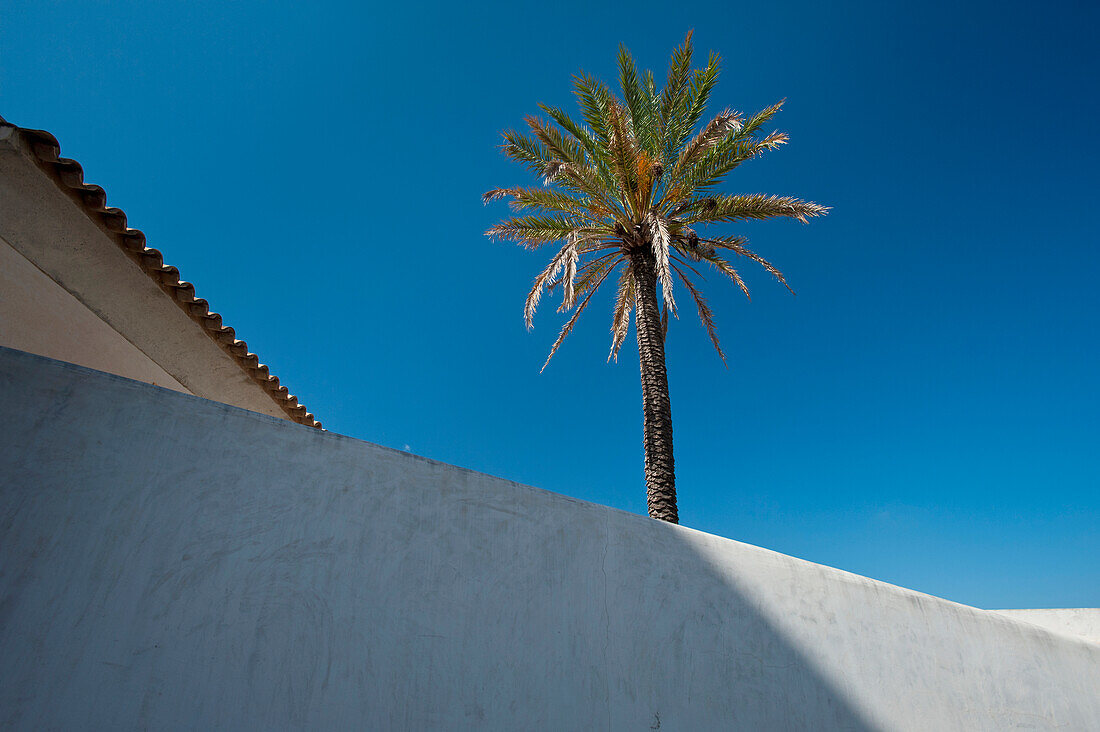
pixel 628 193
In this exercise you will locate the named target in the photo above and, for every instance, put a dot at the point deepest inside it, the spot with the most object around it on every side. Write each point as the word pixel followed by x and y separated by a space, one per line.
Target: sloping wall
pixel 1080 622
pixel 40 316
pixel 169 562
pixel 60 226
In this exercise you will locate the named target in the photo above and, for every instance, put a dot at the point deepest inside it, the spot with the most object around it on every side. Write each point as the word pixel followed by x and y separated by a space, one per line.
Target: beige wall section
pixel 37 315
pixel 40 221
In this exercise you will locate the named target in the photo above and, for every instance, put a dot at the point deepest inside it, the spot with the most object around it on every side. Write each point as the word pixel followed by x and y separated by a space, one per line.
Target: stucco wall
pixel 1081 622
pixel 169 562
pixel 40 221
pixel 40 316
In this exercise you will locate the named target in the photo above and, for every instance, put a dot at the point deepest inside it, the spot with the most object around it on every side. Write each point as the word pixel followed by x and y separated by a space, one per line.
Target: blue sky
pixel 924 412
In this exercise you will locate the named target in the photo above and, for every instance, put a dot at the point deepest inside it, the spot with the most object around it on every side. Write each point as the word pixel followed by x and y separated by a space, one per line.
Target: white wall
pixel 172 563
pixel 1080 622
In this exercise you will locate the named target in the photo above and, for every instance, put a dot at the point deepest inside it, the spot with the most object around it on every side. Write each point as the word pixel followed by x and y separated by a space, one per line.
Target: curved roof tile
pixel 93 199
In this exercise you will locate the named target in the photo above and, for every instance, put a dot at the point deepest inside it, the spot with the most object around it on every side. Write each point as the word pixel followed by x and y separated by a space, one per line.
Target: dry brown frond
pixel 658 234
pixel 553 170
pixel 496 193
pixel 533 297
pixel 705 314
pixel 570 275
pixel 711 134
pixel 620 320
pixel 727 269
pixel 735 244
pixel 569 326
pixel 697 273
pixel 771 142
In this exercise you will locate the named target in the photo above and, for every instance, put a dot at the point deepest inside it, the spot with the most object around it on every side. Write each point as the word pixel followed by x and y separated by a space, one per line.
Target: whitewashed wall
pixel 173 563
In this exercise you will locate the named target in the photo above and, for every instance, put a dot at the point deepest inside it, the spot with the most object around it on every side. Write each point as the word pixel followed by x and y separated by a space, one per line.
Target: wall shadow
pixel 174 563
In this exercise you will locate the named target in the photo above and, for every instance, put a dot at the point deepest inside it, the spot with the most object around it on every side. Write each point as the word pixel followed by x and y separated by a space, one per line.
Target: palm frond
pixel 658 233
pixel 682 263
pixel 758 120
pixel 595 101
pixel 620 320
pixel 725 268
pixel 545 199
pixel 679 67
pixel 639 96
pixel 695 102
pixel 597 153
pixel 569 275
pixel 711 134
pixel 737 244
pixel 534 231
pixel 540 283
pixel 628 80
pixel 639 172
pixel 593 271
pixel 757 206
pixel 564 149
pixel 729 153
pixel 528 151
pixel 569 165
pixel 706 315
pixel 584 269
pixel 624 154
pixel 591 290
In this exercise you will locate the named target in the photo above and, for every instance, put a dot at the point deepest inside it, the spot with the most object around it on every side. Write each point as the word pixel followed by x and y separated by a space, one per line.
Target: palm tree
pixel 629 193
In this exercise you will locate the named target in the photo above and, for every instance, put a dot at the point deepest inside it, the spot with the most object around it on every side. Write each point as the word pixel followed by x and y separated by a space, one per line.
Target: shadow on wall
pixel 171 562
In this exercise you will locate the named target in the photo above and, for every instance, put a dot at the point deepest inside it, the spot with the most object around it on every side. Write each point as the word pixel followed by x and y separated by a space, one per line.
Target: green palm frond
pixel 719 161
pixel 708 138
pixel 695 102
pixel 631 181
pixel 550 165
pixel 761 118
pixel 676 87
pixel 534 231
pixel 759 206
pixel 640 97
pixel 595 102
pixel 597 153
pixel 624 155
pixel 679 71
pixel 546 199
pixel 562 149
pixel 528 151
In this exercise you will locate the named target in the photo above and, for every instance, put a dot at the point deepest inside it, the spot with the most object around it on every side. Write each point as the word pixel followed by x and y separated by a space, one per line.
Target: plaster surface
pixel 41 222
pixel 168 562
pixel 1081 622
pixel 40 316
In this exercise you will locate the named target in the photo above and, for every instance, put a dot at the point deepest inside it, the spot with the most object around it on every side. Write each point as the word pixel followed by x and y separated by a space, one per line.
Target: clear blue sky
pixel 926 411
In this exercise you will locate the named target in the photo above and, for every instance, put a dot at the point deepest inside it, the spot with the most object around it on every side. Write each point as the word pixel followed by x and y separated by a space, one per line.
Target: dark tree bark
pixel 660 468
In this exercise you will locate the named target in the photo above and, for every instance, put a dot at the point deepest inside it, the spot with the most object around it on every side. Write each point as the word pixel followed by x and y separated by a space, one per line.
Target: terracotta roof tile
pixel 93 199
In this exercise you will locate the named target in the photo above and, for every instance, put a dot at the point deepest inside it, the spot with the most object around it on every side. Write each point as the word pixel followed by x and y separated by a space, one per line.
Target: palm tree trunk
pixel 660 469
